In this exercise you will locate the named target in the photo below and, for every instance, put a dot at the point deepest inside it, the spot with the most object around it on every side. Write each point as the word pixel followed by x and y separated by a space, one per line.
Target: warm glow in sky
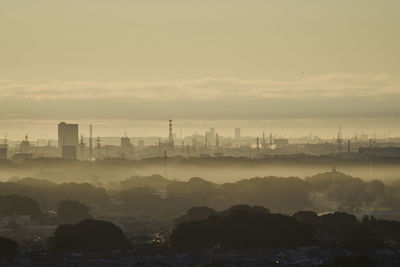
pixel 192 59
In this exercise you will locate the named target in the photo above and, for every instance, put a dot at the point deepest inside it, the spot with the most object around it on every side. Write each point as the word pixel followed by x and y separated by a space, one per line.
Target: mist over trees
pixel 201 213
pixel 350 192
pixel 48 194
pixel 248 214
pixel 285 195
pixel 215 169
pixel 142 195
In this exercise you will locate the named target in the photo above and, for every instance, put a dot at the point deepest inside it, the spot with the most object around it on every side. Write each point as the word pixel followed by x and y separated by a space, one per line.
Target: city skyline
pixel 46 130
pixel 200 133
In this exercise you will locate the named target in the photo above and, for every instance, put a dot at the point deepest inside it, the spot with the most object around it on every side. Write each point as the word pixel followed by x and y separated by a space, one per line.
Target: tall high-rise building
pixel 212 132
pixel 237 133
pixel 209 137
pixel 170 136
pixel 68 139
pixel 67 134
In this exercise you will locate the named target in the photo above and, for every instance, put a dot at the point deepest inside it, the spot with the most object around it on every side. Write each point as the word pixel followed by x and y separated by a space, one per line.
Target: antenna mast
pixel 91 141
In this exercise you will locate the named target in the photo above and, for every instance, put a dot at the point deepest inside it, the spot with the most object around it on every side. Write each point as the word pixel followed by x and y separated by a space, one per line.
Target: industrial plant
pixel 71 145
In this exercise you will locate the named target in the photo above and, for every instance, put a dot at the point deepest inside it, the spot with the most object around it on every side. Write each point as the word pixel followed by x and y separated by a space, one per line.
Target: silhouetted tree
pixel 14 204
pixel 309 217
pixel 377 187
pixel 283 194
pixel 195 214
pixel 331 223
pixel 359 238
pixel 242 228
pixel 47 194
pixel 243 207
pixel 139 199
pixel 154 181
pixel 70 211
pixel 88 236
pixel 8 250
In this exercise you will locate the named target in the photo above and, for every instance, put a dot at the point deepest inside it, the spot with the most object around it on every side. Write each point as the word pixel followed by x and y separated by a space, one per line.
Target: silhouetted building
pixel 125 142
pixel 141 143
pixel 25 146
pixel 170 136
pixel 3 151
pixel 67 134
pixel 237 133
pixel 68 139
pixel 281 141
pixel 212 131
pixel 126 145
pixel 68 152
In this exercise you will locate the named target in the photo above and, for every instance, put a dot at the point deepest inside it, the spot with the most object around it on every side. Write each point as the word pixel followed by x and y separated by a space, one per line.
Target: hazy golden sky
pixel 221 59
pixel 129 40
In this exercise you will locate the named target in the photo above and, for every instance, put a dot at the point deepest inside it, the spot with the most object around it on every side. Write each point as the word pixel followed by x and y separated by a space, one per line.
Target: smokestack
pixel 170 132
pixel 205 141
pixel 339 139
pixel 91 140
pixel 170 137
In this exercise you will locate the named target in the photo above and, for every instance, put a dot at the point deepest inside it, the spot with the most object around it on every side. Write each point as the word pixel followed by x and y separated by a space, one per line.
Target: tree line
pixel 243 227
pixel 137 195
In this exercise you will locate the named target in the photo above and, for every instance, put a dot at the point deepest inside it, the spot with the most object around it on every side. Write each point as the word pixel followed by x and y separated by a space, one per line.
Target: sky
pixel 296 66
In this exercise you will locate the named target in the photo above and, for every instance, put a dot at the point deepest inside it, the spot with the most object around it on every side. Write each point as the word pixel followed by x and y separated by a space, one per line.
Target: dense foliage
pixel 8 250
pixel 88 236
pixel 18 205
pixel 71 211
pixel 242 228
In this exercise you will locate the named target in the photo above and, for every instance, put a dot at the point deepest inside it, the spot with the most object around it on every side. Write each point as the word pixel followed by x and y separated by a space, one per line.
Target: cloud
pixel 319 87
